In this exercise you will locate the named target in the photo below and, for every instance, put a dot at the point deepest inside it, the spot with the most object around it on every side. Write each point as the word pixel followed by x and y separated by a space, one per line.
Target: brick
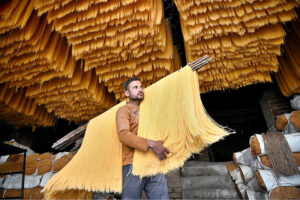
pixel 174 173
pixel 174 182
pixel 175 195
pixel 172 189
pixel 177 189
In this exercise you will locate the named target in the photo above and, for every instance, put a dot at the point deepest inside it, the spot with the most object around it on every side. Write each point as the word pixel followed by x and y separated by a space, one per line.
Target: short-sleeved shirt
pixel 127 122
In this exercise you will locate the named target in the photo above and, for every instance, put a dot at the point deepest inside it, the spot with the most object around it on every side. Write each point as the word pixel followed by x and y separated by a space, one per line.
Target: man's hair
pixel 129 81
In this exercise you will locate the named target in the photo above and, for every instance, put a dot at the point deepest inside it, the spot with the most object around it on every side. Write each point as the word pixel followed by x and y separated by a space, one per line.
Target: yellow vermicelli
pixel 236 34
pixel 16 108
pixel 172 111
pixel 97 166
pixel 119 39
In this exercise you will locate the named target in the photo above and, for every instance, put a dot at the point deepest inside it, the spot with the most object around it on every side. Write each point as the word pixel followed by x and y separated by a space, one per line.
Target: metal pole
pixel 23 176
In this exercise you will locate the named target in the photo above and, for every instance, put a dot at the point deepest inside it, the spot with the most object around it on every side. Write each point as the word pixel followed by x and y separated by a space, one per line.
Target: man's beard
pixel 136 98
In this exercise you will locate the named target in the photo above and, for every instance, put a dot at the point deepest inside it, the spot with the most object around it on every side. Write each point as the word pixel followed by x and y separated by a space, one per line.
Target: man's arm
pixel 130 139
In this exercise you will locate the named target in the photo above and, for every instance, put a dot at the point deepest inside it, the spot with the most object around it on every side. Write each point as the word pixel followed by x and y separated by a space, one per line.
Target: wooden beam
pixel 70 138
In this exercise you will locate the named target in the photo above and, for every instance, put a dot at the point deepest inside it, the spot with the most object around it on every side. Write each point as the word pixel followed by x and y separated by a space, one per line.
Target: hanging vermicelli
pixel 232 31
pixel 17 109
pixel 33 55
pixel 179 119
pixel 141 38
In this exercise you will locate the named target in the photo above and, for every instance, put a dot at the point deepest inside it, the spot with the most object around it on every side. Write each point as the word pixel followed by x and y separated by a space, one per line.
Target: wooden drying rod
pixel 199 63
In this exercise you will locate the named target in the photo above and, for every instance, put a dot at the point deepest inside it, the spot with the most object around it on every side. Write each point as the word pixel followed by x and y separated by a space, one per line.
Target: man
pixel 127 121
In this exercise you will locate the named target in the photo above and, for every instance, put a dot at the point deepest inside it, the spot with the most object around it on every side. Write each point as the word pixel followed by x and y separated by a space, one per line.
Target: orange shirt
pixel 127 121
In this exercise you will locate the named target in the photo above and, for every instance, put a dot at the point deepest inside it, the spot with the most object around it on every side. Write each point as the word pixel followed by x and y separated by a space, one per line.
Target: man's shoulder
pixel 124 108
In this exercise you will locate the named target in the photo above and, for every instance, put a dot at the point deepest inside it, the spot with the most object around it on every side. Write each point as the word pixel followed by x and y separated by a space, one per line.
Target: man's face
pixel 135 91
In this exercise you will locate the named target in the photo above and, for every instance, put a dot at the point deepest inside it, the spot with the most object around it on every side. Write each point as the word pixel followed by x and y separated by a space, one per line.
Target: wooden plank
pixel 70 138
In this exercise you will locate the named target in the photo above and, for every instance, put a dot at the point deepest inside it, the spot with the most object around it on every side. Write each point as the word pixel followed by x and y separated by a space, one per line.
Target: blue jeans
pixel 155 187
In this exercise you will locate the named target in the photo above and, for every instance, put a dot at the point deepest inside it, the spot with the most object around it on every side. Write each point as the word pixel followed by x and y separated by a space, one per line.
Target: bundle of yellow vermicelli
pixel 172 111
pixel 243 37
pixel 119 39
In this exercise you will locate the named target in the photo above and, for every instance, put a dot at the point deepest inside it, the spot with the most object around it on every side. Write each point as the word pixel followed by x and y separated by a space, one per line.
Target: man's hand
pixel 158 148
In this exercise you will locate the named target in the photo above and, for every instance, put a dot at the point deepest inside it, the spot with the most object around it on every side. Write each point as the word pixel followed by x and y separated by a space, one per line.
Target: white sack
pixel 252 184
pixel 289 128
pixel 252 195
pixel 295 102
pixel 242 188
pixel 15 181
pixel 293 141
pixel 244 157
pixel 236 176
pixel 247 172
pixel 256 164
pixel 272 182
pixel 3 159
pixel 1 182
pixel 46 177
pixel 60 154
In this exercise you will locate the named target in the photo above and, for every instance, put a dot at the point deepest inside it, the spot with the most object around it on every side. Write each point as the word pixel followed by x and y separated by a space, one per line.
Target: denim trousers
pixel 155 187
